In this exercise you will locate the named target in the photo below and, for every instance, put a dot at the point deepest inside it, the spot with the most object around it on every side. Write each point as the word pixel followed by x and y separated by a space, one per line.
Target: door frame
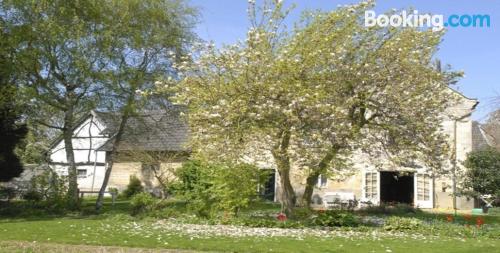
pixel 420 204
pixel 275 184
pixel 423 203
pixel 363 186
pixel 410 177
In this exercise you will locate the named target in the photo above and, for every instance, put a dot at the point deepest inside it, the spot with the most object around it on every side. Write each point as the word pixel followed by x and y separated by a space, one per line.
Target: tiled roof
pixel 161 130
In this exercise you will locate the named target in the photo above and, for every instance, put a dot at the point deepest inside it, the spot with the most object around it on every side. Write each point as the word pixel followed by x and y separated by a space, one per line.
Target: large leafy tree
pixel 11 134
pixel 59 59
pixel 11 130
pixel 482 177
pixel 144 39
pixel 312 98
pixel 76 55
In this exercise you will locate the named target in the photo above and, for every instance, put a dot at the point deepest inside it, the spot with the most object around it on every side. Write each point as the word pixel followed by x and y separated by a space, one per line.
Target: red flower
pixel 282 217
pixel 321 210
pixel 479 222
pixel 449 218
pixel 467 217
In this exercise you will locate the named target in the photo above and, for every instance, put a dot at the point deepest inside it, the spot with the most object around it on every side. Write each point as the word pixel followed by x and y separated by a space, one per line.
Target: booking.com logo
pixel 425 20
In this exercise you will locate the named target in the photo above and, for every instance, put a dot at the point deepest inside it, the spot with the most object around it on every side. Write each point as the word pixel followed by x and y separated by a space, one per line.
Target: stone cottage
pixel 165 133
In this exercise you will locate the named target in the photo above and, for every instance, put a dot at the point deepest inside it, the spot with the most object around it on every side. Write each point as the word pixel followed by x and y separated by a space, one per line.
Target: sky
pixel 476 51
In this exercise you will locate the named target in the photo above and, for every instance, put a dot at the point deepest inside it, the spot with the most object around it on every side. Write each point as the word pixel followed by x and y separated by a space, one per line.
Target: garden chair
pixel 339 200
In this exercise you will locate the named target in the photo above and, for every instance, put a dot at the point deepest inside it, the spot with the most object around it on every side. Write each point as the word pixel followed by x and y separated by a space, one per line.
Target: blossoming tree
pixel 309 97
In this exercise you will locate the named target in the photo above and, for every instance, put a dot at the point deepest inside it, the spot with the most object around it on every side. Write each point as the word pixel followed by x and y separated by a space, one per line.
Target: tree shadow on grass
pixel 19 211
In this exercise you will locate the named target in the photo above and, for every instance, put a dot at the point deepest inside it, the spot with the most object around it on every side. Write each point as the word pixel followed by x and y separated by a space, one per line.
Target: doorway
pixel 267 189
pixel 396 187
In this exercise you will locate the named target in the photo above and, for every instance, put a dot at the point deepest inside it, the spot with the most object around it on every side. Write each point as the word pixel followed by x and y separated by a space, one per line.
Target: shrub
pixel 32 195
pixel 482 177
pixel 142 202
pixel 194 187
pixel 113 190
pixel 301 213
pixel 7 193
pixel 465 230
pixel 234 186
pixel 212 187
pixel 165 212
pixel 47 190
pixel 333 218
pixel 386 209
pixel 190 177
pixel 134 187
pixel 395 223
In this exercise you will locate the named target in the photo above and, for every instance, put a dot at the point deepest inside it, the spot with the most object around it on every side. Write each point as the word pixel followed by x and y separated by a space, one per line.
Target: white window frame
pixel 376 200
pixel 78 175
pixel 422 203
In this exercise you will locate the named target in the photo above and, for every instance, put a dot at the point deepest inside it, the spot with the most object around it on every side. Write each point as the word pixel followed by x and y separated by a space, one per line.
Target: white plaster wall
pixel 87 139
pixel 84 145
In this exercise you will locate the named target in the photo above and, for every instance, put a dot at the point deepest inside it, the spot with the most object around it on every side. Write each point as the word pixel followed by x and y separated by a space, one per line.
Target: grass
pixel 89 232
pixel 405 211
pixel 51 233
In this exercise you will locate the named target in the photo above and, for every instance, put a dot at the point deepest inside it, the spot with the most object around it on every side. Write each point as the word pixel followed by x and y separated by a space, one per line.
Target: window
pixel 423 187
pixel 81 173
pixel 322 181
pixel 371 185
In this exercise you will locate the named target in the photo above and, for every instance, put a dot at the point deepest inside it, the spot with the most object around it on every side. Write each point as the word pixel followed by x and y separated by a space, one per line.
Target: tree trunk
pixel 357 121
pixel 161 180
pixel 312 178
pixel 110 159
pixel 280 154
pixel 72 196
pixel 288 197
pixel 311 181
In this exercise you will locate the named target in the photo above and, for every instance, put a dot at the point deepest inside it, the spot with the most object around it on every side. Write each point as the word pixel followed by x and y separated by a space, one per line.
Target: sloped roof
pixel 76 125
pixel 159 130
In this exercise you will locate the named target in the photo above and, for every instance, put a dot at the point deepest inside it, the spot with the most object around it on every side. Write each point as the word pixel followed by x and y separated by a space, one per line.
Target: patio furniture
pixel 342 200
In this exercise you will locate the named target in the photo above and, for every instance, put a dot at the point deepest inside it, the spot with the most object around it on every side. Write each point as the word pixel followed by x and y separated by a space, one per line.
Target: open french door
pixel 423 191
pixel 371 187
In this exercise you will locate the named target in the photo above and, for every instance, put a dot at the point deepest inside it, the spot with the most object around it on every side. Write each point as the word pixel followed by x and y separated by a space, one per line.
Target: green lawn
pixel 90 231
pixel 115 228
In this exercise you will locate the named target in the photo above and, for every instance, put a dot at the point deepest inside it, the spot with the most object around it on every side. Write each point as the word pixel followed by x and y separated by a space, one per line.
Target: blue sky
pixel 473 50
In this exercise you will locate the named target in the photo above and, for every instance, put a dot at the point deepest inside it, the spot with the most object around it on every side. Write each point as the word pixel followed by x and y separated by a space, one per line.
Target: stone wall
pixel 122 171
pixel 457 125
